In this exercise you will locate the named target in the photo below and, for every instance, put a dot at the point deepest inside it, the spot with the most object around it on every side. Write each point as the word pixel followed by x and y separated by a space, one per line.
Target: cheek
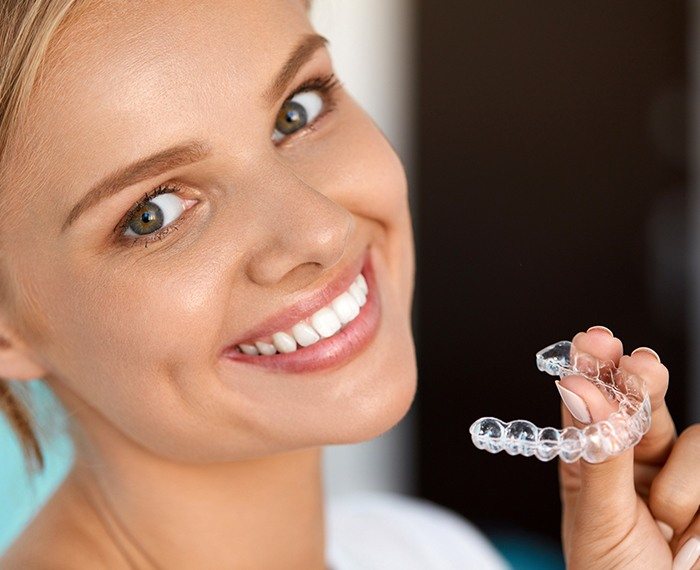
pixel 366 176
pixel 362 172
pixel 137 350
pixel 376 171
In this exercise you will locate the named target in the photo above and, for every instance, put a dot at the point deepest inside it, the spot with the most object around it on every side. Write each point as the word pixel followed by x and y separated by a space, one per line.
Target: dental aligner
pixel 594 443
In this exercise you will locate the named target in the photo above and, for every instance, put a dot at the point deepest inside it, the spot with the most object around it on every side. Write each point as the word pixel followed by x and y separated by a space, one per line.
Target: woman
pixel 205 368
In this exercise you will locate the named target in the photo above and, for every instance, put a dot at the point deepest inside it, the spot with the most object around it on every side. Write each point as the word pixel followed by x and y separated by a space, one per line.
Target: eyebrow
pixel 190 151
pixel 162 161
pixel 302 53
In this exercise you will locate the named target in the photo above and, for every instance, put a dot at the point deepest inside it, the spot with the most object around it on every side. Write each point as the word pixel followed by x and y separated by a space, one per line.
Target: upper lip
pixel 307 303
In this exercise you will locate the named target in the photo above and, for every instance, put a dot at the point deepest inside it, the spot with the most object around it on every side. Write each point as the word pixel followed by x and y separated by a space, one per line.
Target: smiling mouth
pixel 325 323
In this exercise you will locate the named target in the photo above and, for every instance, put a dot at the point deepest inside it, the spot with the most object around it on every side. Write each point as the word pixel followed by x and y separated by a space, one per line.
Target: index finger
pixel 656 444
pixel 600 343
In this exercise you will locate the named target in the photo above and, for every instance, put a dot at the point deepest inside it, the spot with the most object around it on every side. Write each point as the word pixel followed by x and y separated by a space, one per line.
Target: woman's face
pixel 269 213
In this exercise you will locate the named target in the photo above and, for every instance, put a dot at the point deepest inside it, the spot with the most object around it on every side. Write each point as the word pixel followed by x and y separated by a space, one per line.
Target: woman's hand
pixel 638 510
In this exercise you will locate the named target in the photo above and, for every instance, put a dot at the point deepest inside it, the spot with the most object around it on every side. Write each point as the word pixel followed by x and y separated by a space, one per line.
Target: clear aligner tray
pixel 594 443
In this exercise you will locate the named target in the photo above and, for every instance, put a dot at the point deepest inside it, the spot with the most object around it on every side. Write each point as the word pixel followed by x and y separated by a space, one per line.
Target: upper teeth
pixel 323 323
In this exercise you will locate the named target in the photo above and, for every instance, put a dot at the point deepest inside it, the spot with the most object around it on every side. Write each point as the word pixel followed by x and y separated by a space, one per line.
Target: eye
pixel 296 113
pixel 155 215
pixel 309 102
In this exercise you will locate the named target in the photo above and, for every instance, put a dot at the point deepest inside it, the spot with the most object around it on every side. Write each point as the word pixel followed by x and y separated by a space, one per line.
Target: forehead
pixel 125 78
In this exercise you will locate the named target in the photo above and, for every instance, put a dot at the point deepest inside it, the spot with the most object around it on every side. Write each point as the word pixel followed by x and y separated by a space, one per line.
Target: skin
pixel 184 460
pixel 611 510
pixel 129 337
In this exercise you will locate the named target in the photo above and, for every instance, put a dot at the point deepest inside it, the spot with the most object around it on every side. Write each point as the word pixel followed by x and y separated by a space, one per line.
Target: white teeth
pixel 304 334
pixel 265 347
pixel 357 293
pixel 326 322
pixel 345 307
pixel 284 342
pixel 362 283
pixel 248 349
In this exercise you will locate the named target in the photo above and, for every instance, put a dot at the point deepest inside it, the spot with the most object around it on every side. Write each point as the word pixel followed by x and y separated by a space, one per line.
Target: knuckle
pixel 616 343
pixel 668 497
pixel 655 375
pixel 690 437
pixel 692 431
pixel 656 371
pixel 578 337
pixel 663 375
pixel 660 370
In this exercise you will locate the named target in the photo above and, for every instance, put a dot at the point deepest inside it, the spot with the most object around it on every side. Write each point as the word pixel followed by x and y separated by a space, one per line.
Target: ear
pixel 17 359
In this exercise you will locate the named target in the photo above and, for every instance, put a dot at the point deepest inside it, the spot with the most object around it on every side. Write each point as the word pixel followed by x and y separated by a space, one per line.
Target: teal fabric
pixel 21 495
pixel 527 551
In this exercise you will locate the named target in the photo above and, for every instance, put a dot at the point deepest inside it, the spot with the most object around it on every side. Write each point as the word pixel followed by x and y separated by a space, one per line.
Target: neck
pixel 261 513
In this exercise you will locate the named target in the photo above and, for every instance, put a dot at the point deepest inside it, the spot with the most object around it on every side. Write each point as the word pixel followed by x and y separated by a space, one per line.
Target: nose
pixel 305 231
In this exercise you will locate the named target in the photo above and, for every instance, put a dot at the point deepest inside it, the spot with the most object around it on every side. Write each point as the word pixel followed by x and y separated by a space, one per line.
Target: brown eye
pixel 296 113
pixel 150 217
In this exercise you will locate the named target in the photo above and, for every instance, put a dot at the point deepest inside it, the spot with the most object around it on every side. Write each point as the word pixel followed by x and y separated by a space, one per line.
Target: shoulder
pixel 390 530
pixel 58 538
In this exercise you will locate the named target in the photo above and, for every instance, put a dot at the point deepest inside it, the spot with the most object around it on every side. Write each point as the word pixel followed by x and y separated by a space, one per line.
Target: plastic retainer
pixel 596 442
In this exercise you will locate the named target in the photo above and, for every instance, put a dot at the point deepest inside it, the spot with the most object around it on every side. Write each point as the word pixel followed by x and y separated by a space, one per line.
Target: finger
pixel 592 490
pixel 674 496
pixel 569 473
pixel 657 442
pixel 583 399
pixel 581 396
pixel 687 553
pixel 598 342
pixel 598 495
pixel 612 481
pixel 569 485
pixel 580 399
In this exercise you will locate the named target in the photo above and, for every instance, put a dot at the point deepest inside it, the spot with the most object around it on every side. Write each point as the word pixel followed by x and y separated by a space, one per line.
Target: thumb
pixel 594 493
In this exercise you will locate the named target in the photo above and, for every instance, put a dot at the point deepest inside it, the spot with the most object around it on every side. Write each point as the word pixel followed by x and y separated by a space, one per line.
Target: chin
pixel 375 411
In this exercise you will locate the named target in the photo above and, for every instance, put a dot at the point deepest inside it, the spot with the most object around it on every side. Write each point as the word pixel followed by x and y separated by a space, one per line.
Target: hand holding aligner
pixel 594 443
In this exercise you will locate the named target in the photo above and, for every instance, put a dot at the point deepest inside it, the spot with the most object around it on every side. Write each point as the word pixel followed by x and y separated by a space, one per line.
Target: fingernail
pixel 666 530
pixel 688 555
pixel 647 351
pixel 577 406
pixel 601 328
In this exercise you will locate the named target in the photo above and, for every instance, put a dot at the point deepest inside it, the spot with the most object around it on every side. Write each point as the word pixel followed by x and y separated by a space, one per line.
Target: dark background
pixel 551 197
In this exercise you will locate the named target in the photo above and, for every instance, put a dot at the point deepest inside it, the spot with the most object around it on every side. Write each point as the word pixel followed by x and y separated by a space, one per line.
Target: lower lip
pixel 331 352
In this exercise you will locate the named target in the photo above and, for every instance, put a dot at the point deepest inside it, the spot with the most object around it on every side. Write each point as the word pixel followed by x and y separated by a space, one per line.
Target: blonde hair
pixel 26 30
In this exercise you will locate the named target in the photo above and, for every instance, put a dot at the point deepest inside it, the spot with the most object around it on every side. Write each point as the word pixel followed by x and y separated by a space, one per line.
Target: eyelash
pixel 326 85
pixel 147 197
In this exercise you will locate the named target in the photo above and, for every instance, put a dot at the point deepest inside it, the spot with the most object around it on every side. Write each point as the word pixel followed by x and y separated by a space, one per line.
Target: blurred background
pixel 550 150
pixel 553 194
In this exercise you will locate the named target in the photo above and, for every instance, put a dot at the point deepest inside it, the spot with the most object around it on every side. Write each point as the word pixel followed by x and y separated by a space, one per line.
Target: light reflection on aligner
pixel 594 443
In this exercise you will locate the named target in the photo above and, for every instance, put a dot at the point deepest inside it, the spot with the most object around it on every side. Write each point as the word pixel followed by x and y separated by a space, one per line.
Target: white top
pixel 389 531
